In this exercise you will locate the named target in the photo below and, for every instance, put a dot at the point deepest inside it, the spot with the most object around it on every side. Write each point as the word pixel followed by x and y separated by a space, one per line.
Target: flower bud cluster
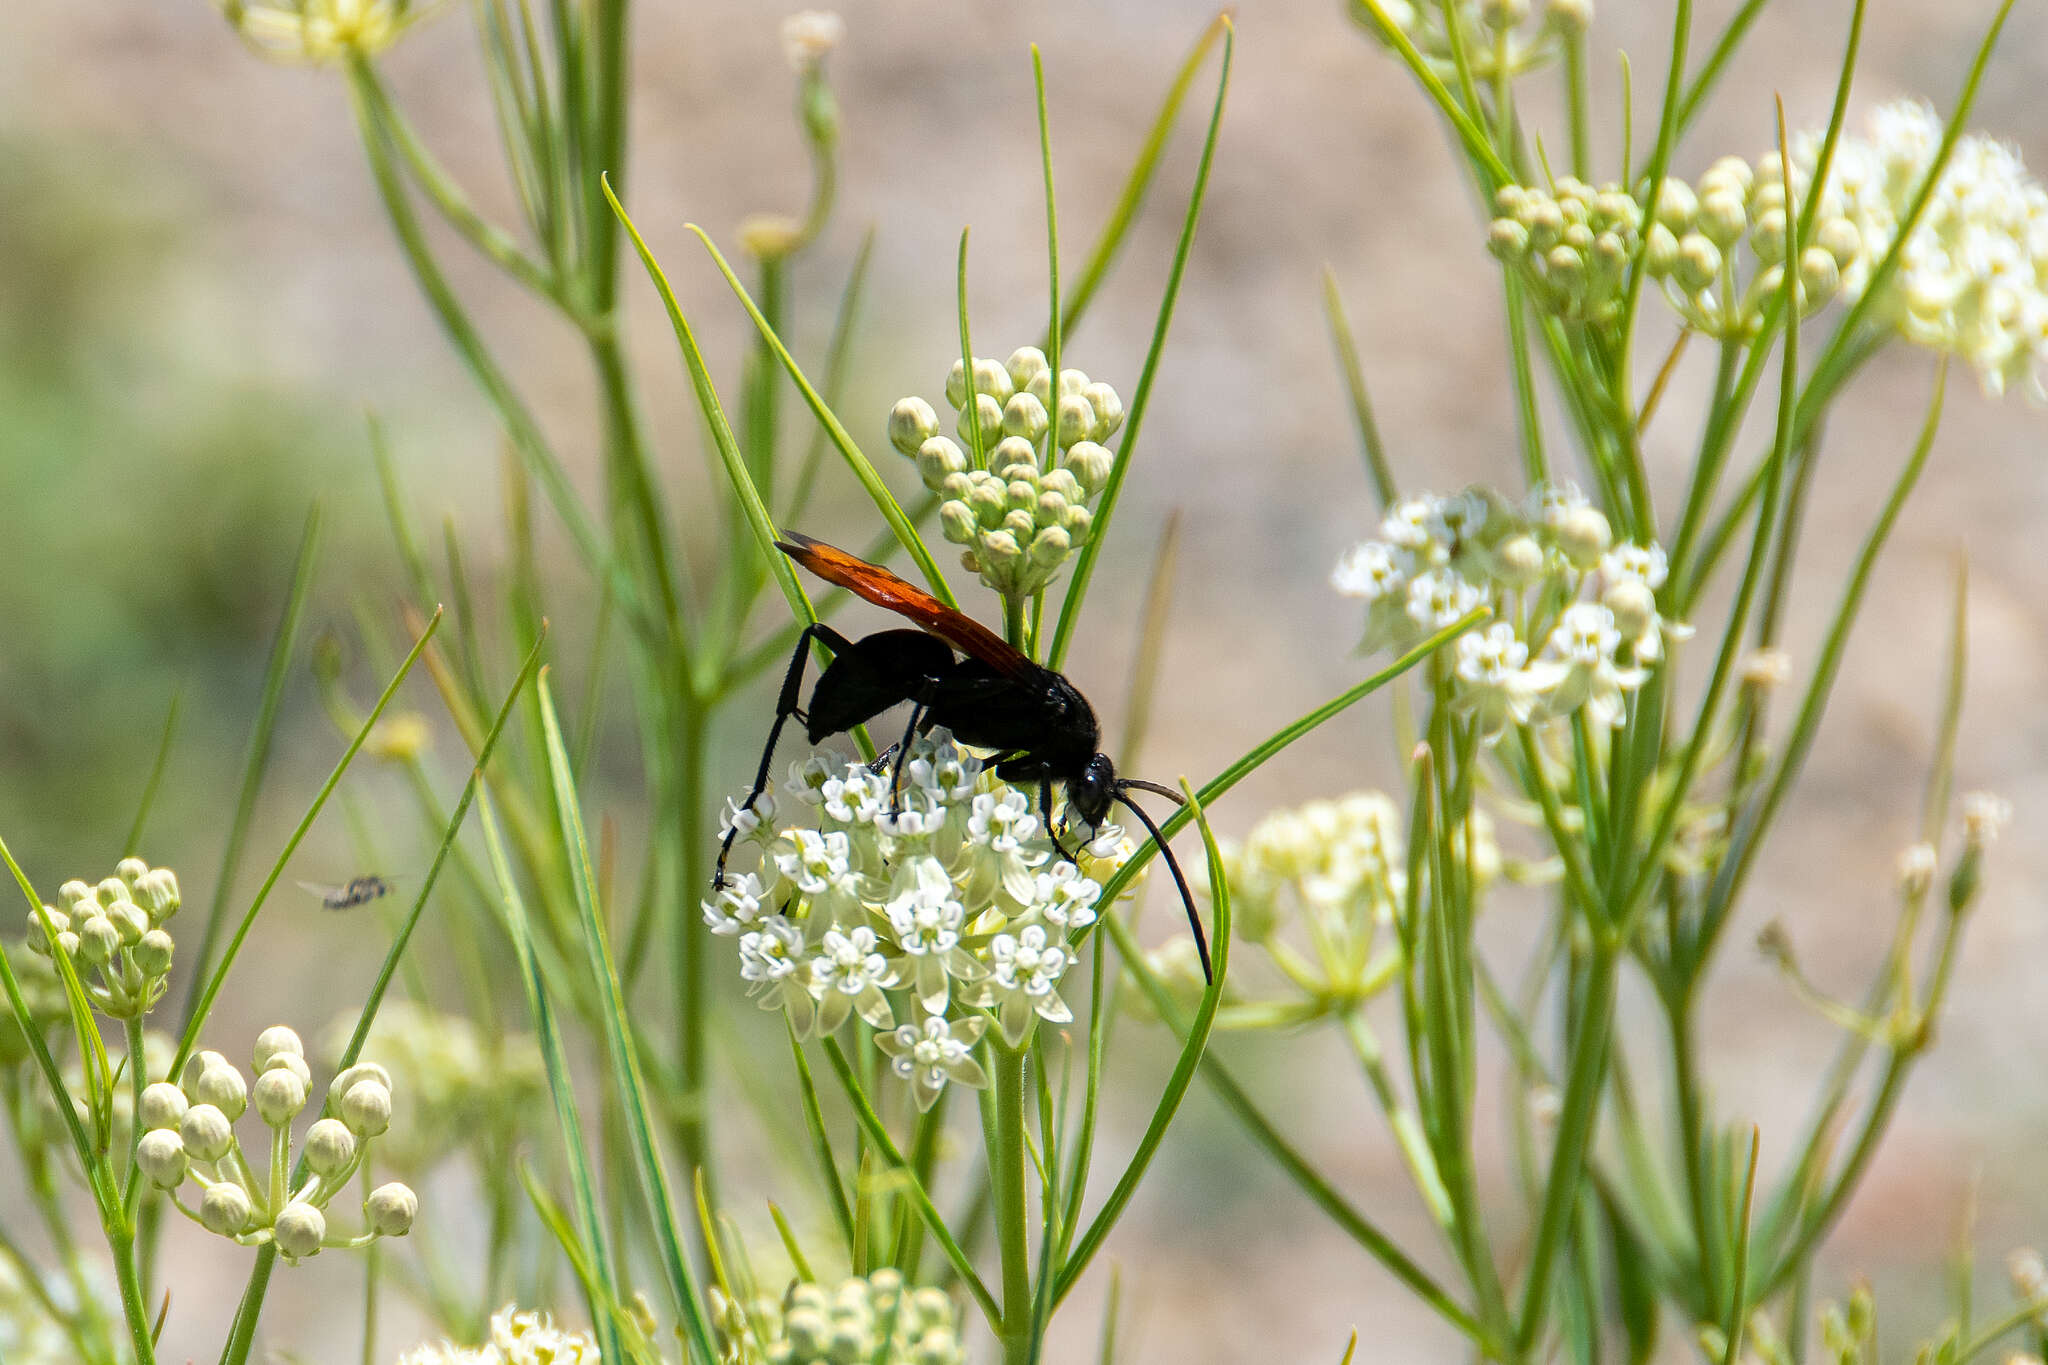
pixel 1973 278
pixel 1718 247
pixel 1497 37
pixel 1026 461
pixel 113 934
pixel 517 1337
pixel 1576 620
pixel 189 1133
pixel 1573 244
pixel 929 913
pixel 863 1319
pixel 321 32
pixel 1338 864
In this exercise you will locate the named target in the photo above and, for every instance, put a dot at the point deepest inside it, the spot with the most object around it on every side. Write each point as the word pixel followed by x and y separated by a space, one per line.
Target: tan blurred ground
pixel 1328 156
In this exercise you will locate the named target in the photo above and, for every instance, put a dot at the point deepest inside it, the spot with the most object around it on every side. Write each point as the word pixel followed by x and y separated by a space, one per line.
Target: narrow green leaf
pixel 1369 442
pixel 133 844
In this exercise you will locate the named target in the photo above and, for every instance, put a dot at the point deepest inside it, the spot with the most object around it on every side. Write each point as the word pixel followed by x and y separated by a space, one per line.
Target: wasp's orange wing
pixel 907 600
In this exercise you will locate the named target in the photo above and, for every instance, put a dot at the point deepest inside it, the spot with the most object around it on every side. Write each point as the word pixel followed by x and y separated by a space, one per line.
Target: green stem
pixel 1007 1175
pixel 693 1130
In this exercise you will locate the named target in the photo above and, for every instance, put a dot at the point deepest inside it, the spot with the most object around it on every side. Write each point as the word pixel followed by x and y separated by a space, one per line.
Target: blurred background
pixel 200 299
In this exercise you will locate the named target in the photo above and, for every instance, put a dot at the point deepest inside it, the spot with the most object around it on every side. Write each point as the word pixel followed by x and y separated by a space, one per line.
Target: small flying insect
pixel 351 893
pixel 1038 724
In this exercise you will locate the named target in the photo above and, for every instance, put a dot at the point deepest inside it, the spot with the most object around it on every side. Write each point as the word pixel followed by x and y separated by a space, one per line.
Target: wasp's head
pixel 1091 790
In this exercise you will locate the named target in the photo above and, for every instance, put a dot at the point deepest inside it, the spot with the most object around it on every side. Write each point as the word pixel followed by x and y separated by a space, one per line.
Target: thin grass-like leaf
pixel 821 1142
pixel 1084 565
pixel 262 733
pixel 133 843
pixel 1369 443
pixel 620 1048
pixel 1193 1042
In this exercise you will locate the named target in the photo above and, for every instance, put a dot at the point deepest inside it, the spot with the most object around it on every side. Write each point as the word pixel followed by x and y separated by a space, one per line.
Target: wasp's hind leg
pixel 1052 831
pixel 785 707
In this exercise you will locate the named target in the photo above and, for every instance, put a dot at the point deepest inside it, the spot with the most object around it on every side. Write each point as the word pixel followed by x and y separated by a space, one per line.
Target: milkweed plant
pixel 844 1103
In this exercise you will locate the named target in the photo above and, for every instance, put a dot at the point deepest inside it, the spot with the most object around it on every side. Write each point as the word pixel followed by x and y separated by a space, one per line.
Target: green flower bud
pixel 1072 382
pixel 157 892
pixel 129 919
pixel 275 1041
pixel 299 1230
pixel 1507 239
pixel 195 1067
pixel 1676 204
pixel 1062 482
pixel 1578 237
pixel 938 459
pixel 1024 416
pixel 222 1086
pixel 279 1096
pixel 955 486
pixel 110 890
pixel 1610 254
pixel 1840 239
pixel 163 1105
pixel 957 523
pixel 1024 363
pixel 225 1209
pixel 98 939
pixel 130 870
pixel 1519 561
pixel 1699 263
pixel 391 1208
pixel 1819 277
pixel 1661 252
pixel 366 1107
pixel 998 550
pixel 1567 268
pixel 208 1134
pixel 330 1147
pixel 67 943
pixel 911 423
pixel 1019 525
pixel 1075 421
pixel 285 1061
pixel 161 1156
pixel 1050 547
pixel 1039 386
pixel 1051 507
pixel 1767 236
pixel 1731 173
pixel 1076 523
pixel 1723 217
pixel 1584 536
pixel 72 893
pixel 1013 458
pixel 41 925
pixel 956 384
pixel 991 415
pixel 989 497
pixel 153 954
pixel 769 236
pixel 931 1305
pixel 1109 409
pixel 340 1084
pixel 1091 465
pixel 1502 15
pixel 1020 495
pixel 992 379
pixel 1544 221
pixel 1633 604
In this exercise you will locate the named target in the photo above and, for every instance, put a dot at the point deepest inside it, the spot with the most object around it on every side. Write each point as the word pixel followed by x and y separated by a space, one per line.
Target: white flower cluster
pixel 527 1337
pixel 190 1133
pixel 321 32
pixel 1573 244
pixel 1496 35
pixel 114 929
pixel 1340 863
pixel 1018 502
pixel 1973 278
pixel 1576 625
pixel 458 1081
pixel 903 912
pixel 29 1335
pixel 1696 245
pixel 871 1320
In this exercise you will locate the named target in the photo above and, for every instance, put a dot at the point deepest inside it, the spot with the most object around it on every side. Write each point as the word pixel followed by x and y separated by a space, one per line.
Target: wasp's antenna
pixel 1155 788
pixel 1187 897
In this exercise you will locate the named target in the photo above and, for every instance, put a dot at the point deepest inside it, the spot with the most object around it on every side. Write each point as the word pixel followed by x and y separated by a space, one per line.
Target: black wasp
pixel 1038 724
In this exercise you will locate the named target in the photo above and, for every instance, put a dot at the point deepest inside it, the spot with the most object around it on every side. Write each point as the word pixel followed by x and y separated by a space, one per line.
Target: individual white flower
pixel 1584 641
pixel 1645 564
pixel 848 975
pixel 1985 816
pixel 1411 525
pixel 1063 898
pixel 940 1050
pixel 750 822
pixel 1023 981
pixel 805 783
pixel 821 867
pixel 940 766
pixel 1000 849
pixel 925 921
pixel 1369 570
pixel 1496 684
pixel 777 970
pixel 855 796
pixel 741 901
pixel 1441 598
